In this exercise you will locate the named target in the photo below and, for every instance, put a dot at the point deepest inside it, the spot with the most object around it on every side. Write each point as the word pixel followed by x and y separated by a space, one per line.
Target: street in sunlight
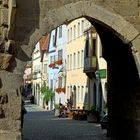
pixel 40 124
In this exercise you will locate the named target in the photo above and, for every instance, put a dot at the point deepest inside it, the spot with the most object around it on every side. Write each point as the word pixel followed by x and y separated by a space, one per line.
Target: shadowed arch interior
pixel 123 78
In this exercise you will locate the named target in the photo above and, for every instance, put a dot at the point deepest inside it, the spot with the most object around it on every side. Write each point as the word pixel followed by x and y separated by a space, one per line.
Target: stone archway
pixel 101 15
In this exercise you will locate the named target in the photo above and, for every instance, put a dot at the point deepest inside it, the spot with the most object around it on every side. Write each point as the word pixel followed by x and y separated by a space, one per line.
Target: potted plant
pixel 56 107
pixel 47 93
pixel 93 115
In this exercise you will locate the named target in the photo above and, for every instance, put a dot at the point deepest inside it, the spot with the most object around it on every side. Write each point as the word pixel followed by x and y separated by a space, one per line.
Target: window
pixel 45 68
pixel 60 31
pixel 68 62
pixel 78 60
pixel 78 28
pixel 74 61
pixel 87 45
pixel 52 59
pixel 68 35
pixel 71 94
pixel 53 40
pixel 82 26
pixel 94 94
pixel 82 93
pixel 94 47
pixel 78 94
pixel 60 53
pixel 59 81
pixel 37 68
pixel 82 58
pixel 51 84
pixel 86 95
pixel 74 32
pixel 67 92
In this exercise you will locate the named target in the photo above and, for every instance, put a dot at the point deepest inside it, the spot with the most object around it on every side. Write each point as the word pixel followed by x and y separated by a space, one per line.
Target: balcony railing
pixel 90 65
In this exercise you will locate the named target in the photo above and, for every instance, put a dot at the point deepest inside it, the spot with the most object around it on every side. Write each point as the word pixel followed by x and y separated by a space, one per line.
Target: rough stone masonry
pixel 22 23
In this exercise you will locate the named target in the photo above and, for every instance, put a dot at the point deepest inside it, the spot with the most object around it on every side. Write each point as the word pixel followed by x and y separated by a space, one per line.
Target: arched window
pixel 67 62
pixel 68 35
pixel 78 59
pixel 82 28
pixel 74 61
pixel 74 32
pixel 82 58
pixel 71 34
pixel 78 29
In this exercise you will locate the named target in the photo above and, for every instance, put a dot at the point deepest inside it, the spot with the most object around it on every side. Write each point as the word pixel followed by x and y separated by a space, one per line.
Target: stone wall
pixel 23 22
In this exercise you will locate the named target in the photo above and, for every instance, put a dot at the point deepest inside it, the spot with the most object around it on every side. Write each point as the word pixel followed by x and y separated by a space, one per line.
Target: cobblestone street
pixel 43 125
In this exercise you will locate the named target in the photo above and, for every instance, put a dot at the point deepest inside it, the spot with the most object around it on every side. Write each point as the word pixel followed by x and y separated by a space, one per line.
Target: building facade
pixel 39 69
pixel 85 86
pixel 36 72
pixel 76 81
pixel 95 68
pixel 56 70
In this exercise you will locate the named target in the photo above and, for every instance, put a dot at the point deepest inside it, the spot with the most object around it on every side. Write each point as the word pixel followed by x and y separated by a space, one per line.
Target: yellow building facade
pixel 76 80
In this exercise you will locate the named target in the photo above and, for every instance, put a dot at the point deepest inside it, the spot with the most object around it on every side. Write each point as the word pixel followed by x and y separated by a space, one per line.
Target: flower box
pixel 58 62
pixel 52 65
pixel 58 90
pixel 63 90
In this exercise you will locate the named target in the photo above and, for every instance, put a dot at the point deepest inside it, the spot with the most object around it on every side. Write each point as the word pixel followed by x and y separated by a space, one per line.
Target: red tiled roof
pixel 44 42
pixel 44 45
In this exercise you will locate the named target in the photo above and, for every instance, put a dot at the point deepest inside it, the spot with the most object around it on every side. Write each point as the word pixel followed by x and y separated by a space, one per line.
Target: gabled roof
pixel 44 42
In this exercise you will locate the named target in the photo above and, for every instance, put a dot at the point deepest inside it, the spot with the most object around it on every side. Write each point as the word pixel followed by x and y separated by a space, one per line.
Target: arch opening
pixel 123 78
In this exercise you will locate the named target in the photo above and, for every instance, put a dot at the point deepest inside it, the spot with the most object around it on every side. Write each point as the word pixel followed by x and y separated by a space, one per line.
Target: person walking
pixel 23 112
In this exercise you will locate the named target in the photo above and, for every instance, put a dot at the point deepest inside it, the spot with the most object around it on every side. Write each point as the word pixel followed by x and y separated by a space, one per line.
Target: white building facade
pixel 56 69
pixel 36 73
pixel 39 69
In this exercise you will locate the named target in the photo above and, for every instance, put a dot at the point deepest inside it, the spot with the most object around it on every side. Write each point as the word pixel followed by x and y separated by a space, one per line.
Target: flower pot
pixel 57 113
pixel 92 118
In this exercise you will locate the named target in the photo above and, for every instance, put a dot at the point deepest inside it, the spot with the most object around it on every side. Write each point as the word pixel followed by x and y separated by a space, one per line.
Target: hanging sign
pixel 102 73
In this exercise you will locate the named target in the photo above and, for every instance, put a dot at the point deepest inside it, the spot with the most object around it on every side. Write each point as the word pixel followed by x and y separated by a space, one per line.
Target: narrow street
pixel 40 124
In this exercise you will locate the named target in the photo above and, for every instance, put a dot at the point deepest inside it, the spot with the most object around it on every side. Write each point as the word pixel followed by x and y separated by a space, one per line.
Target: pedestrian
pixel 23 111
pixel 22 89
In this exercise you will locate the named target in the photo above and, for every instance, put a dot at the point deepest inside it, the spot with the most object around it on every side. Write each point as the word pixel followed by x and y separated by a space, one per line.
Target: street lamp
pixel 97 74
